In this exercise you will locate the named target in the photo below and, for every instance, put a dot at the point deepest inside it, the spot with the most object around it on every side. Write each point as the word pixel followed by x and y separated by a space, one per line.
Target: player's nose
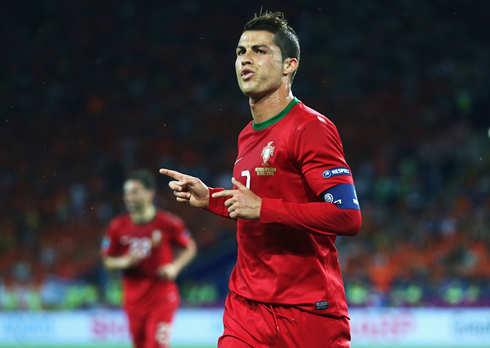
pixel 246 58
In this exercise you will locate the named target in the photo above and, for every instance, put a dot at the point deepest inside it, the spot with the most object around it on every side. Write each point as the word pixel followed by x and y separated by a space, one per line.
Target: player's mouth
pixel 247 74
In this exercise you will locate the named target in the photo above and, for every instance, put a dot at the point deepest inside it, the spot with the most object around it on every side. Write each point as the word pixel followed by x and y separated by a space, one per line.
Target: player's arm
pixel 338 212
pixel 338 216
pixel 321 217
pixel 120 262
pixel 183 255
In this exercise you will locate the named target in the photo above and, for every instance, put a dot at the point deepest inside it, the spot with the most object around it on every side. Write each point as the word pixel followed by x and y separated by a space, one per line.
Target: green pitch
pixel 214 346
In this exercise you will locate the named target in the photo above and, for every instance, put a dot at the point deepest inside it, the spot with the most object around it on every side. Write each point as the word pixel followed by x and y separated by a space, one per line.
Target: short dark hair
pixel 145 177
pixel 284 36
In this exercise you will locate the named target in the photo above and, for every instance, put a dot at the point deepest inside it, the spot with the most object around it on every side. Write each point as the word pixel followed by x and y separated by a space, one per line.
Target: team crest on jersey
pixel 267 153
pixel 156 237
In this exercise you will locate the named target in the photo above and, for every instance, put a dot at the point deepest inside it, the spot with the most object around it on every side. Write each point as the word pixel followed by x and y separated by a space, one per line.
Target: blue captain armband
pixel 342 195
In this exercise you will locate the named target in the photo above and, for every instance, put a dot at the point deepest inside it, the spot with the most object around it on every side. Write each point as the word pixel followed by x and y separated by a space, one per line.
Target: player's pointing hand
pixel 243 203
pixel 188 189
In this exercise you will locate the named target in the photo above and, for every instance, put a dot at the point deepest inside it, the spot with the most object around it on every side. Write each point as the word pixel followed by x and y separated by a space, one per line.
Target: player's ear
pixel 290 65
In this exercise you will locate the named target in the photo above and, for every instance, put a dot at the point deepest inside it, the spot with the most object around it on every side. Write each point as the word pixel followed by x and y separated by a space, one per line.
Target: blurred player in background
pixel 293 194
pixel 151 247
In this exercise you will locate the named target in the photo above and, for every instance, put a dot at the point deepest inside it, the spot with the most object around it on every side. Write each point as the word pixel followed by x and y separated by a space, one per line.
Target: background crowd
pixel 91 90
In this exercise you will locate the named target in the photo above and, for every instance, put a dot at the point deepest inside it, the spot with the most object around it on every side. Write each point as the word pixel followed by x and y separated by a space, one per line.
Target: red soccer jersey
pixel 141 285
pixel 288 257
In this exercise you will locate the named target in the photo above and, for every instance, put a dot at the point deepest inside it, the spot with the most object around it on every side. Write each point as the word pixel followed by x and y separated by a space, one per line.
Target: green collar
pixel 277 118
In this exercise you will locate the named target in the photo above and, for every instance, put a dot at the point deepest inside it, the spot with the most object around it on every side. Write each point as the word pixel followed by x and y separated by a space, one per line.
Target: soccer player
pixel 293 194
pixel 142 244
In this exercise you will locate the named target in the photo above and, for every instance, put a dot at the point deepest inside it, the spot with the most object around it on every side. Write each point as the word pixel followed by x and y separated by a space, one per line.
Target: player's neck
pixel 145 215
pixel 266 107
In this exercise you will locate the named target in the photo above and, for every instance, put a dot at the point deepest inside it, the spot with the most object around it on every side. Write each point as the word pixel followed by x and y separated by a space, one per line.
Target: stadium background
pixel 91 90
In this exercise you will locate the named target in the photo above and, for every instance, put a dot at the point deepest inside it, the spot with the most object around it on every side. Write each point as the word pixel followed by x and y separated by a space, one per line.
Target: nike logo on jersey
pixel 238 160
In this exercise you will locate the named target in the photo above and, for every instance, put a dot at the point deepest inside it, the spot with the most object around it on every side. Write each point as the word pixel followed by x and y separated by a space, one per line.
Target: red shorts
pixel 254 324
pixel 151 328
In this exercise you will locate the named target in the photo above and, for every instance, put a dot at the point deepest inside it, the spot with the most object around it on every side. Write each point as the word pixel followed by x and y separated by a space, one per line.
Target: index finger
pixel 171 173
pixel 238 184
pixel 224 193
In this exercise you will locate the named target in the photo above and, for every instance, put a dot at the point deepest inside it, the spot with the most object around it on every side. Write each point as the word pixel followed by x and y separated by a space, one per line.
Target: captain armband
pixel 342 195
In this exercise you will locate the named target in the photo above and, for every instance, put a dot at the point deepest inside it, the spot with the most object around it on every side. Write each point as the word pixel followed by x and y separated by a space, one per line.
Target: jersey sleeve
pixel 110 243
pixel 320 156
pixel 180 234
pixel 217 205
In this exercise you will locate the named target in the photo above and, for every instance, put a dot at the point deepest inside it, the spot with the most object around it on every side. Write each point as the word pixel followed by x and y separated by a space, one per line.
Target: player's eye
pixel 240 52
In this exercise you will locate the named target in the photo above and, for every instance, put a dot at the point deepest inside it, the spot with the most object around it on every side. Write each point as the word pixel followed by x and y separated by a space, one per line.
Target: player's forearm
pixel 182 258
pixel 116 262
pixel 185 256
pixel 217 205
pixel 324 218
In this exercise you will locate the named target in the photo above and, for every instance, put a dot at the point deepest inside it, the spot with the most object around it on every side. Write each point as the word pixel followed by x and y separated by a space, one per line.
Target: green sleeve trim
pixel 277 118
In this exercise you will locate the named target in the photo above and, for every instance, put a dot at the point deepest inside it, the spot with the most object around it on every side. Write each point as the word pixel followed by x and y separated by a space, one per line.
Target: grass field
pixel 213 346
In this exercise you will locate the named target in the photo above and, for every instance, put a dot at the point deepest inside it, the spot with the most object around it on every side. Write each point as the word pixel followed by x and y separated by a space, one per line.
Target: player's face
pixel 259 65
pixel 136 196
